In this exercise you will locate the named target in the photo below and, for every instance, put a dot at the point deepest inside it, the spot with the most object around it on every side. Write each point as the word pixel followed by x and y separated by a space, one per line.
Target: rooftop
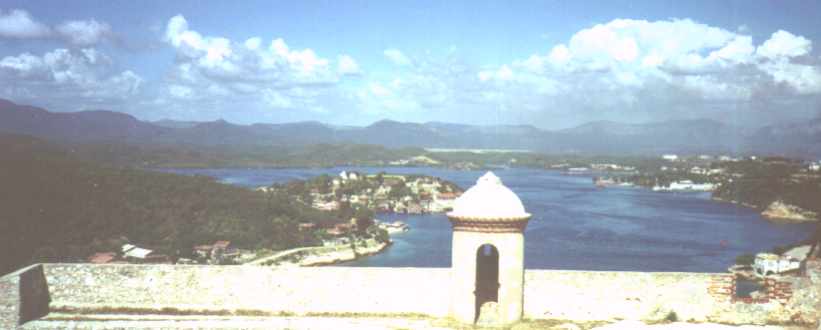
pixel 488 199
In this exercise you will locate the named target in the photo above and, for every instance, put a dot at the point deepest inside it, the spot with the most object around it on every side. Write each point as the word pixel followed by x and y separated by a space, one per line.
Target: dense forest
pixel 55 205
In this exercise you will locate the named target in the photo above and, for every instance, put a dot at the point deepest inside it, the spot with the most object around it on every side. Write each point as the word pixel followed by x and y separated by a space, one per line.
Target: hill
pixel 801 138
pixel 57 207
pixel 600 137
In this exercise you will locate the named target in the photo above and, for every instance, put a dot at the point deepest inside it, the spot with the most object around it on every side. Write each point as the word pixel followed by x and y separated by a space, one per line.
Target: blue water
pixel 574 225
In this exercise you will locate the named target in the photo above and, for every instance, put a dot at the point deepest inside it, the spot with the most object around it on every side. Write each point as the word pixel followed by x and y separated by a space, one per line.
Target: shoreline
pixel 322 255
pixel 790 218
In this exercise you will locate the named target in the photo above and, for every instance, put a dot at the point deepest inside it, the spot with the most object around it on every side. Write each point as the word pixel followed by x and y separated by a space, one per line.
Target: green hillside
pixel 54 206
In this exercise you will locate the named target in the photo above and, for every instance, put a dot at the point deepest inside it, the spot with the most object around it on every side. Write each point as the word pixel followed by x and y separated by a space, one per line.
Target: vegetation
pixel 745 259
pixel 763 182
pixel 189 156
pixel 56 207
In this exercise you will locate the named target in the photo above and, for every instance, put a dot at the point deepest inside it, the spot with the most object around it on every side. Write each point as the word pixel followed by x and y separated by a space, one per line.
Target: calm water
pixel 574 225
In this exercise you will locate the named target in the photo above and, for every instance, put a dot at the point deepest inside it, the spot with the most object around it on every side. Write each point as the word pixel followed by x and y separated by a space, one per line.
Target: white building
pixel 698 170
pixel 132 251
pixel 771 264
pixel 670 157
pixel 345 175
pixel 488 253
pixel 686 185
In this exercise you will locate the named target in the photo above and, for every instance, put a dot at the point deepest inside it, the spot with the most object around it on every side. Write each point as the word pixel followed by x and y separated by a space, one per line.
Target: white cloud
pixel 784 44
pixel 19 24
pixel 712 88
pixel 248 66
pixel 68 74
pixel 79 33
pixel 803 79
pixel 84 32
pixel 277 99
pixel 296 98
pixel 397 57
pixel 347 66
pixel 649 68
pixel 504 73
pixel 254 74
pixel 738 50
pixel 180 92
pixel 559 55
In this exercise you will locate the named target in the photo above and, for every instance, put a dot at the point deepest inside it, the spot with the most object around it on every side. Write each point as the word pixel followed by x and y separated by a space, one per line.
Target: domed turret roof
pixel 489 199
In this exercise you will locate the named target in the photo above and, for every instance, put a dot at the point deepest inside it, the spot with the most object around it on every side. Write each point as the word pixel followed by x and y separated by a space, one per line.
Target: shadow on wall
pixel 34 295
pixel 487 276
pixel 24 296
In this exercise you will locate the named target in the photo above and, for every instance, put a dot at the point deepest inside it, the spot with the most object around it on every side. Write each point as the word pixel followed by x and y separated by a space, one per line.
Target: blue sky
pixel 552 64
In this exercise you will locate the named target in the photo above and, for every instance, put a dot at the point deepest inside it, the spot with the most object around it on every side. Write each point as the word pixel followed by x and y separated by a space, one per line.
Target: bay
pixel 574 225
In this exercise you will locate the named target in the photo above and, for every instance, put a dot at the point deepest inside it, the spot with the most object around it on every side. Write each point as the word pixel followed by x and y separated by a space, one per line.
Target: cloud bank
pixel 19 24
pixel 273 74
pixel 625 69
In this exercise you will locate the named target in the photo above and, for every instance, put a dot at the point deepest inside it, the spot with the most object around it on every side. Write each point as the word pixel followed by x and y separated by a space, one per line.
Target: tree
pixel 364 219
pixel 815 241
pixel 379 234
pixel 399 190
pixel 345 211
pixel 745 259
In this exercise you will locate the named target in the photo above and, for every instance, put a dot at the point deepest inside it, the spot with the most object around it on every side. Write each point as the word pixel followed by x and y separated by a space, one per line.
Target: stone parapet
pixel 692 297
pixel 247 290
pixel 24 296
pixel 340 291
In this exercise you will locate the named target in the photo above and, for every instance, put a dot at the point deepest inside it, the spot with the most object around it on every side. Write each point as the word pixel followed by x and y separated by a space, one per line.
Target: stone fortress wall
pixel 264 291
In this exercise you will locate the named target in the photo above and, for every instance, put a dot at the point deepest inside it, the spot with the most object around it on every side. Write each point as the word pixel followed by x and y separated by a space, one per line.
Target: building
pixel 670 157
pixel 102 257
pixel 326 206
pixel 773 264
pixel 686 185
pixel 134 252
pixel 352 176
pixel 339 229
pixel 203 251
pixel 488 253
pixel 308 226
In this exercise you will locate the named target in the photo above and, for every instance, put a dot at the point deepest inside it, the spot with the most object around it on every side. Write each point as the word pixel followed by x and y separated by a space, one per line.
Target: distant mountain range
pixel 801 139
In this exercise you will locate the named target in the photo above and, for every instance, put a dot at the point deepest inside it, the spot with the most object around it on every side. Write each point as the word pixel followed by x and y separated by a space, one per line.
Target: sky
pixel 551 64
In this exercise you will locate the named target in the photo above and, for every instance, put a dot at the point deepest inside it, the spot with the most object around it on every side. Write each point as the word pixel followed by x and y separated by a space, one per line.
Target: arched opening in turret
pixel 487 276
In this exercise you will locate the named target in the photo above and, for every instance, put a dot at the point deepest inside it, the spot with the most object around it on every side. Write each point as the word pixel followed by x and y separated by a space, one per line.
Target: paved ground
pixel 58 321
pixel 126 322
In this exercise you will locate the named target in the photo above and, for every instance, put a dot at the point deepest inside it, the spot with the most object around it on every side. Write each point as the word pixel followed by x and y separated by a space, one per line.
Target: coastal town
pixel 782 189
pixel 350 195
pixel 413 194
